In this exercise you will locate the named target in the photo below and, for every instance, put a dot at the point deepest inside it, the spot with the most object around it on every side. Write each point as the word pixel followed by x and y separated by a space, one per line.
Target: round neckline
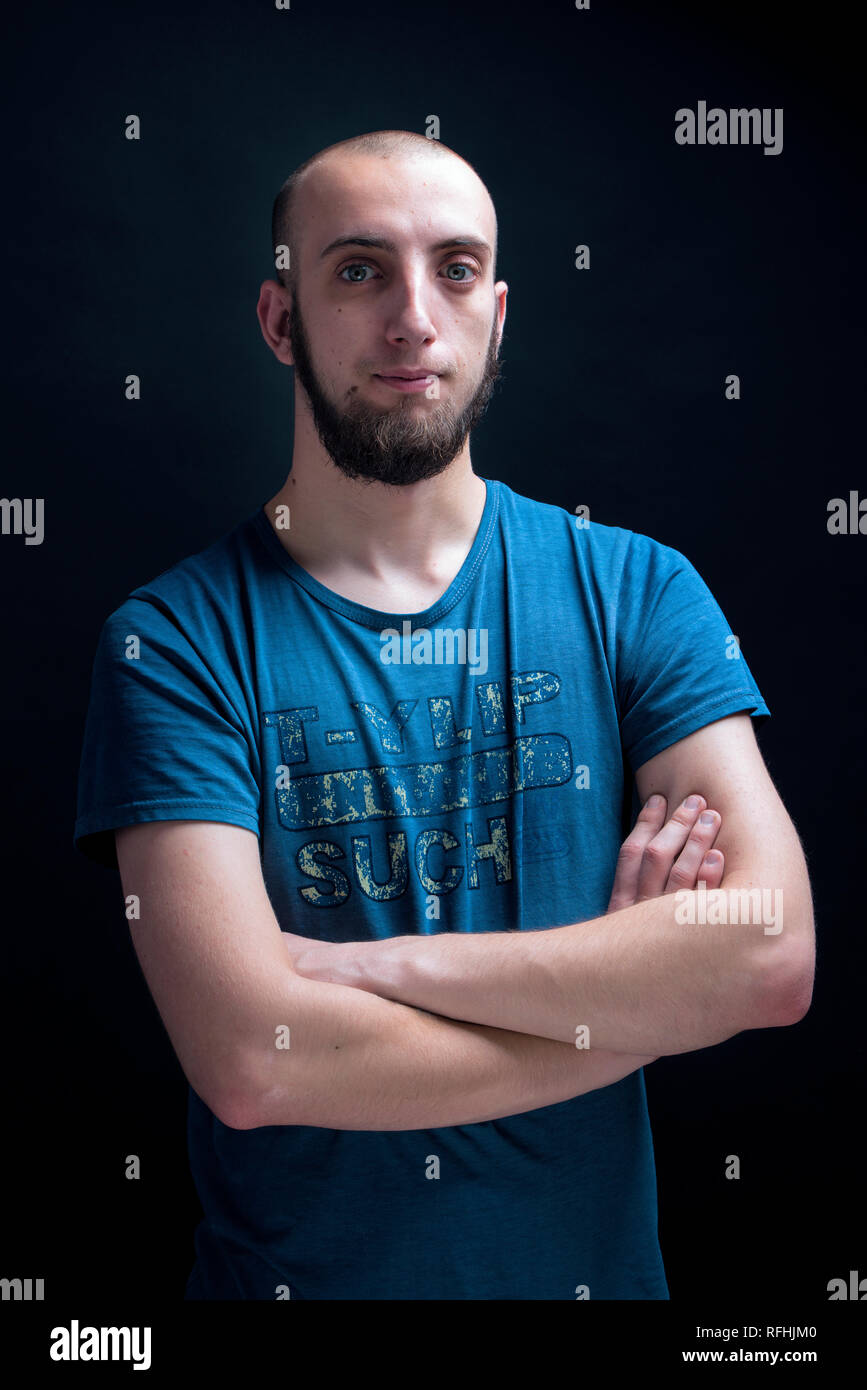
pixel 375 617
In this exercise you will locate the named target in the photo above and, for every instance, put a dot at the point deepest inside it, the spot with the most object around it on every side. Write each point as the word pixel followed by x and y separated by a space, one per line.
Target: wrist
pixel 389 968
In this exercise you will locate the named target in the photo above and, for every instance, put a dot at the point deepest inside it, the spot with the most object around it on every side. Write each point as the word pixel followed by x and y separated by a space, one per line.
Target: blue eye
pixel 460 265
pixel 364 265
pixel 357 265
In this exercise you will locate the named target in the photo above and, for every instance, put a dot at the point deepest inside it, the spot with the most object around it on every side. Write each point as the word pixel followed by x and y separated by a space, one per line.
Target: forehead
pixel 408 199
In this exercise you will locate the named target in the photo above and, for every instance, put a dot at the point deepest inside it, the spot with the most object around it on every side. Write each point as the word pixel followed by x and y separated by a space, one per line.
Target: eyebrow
pixel 368 239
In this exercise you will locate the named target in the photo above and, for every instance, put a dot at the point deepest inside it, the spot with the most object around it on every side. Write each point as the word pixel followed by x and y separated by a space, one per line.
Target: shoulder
pixel 614 555
pixel 199 594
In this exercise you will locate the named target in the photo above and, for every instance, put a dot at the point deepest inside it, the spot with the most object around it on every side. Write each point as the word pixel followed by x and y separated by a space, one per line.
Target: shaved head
pixel 287 213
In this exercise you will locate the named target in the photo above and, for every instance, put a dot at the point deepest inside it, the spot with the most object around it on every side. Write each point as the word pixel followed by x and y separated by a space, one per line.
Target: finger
pixel 712 869
pixel 660 854
pixel 685 869
pixel 651 819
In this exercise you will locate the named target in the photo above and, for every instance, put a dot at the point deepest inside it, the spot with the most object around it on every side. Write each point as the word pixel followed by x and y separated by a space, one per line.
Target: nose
pixel 409 314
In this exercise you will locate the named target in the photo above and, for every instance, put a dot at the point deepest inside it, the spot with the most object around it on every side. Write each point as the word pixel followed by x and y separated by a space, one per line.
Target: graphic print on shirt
pixel 450 781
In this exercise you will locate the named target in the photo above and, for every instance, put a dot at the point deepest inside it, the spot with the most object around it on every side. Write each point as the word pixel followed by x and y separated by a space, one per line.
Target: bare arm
pixel 640 979
pixel 214 958
pixel 636 979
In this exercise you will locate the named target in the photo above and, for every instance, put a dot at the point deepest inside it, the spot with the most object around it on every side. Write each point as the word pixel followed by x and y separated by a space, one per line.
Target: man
pixel 368 761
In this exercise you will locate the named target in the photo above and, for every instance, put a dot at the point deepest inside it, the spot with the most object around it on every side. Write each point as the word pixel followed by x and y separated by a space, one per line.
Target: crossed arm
pixel 409 1048
pixel 640 979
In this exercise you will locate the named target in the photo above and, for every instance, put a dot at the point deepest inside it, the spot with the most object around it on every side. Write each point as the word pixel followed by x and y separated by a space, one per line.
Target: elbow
pixel 793 996
pixel 258 1099
pixel 239 1105
pixel 237 1113
pixel 786 988
pixel 777 960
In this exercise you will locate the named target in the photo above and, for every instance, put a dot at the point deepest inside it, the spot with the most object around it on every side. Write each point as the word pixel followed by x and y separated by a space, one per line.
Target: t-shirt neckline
pixel 374 617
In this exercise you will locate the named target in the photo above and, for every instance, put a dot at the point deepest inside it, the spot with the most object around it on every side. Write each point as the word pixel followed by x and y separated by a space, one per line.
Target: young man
pixel 368 761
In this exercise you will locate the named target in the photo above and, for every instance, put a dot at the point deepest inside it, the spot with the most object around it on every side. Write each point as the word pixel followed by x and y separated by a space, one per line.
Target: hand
pixel 665 857
pixel 297 945
pixel 343 963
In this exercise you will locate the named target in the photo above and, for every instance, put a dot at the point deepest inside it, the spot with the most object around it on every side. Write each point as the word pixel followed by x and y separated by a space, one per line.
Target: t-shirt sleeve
pixel 679 665
pixel 166 737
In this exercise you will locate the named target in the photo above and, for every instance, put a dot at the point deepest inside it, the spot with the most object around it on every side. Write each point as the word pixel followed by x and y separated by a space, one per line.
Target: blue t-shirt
pixel 397 791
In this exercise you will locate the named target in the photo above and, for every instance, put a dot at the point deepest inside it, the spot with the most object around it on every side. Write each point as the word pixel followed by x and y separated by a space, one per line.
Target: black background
pixel 147 256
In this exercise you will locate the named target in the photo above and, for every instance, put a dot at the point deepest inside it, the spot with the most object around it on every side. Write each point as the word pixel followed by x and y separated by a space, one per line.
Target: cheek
pixel 345 346
pixel 480 342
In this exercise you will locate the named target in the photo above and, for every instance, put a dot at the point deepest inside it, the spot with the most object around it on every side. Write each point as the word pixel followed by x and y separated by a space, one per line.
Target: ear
pixel 272 312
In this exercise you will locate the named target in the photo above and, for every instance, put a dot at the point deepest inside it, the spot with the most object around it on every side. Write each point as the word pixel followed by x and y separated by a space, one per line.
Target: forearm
pixel 356 1061
pixel 637 980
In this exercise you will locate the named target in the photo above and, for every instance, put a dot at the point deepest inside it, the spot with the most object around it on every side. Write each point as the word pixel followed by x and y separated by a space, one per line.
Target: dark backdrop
pixel 146 257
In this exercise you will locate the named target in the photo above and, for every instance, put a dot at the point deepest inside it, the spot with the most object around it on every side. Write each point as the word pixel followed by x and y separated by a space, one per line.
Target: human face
pixel 374 310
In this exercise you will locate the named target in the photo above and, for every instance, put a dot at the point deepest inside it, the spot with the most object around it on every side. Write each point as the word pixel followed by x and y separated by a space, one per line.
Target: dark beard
pixel 389 446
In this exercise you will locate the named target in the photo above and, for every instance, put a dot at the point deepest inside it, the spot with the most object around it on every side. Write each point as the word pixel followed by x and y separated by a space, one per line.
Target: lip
pixel 407 383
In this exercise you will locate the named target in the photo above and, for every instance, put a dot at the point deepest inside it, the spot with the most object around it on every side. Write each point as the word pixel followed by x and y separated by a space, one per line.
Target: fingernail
pixel 706 818
pixel 655 802
pixel 692 802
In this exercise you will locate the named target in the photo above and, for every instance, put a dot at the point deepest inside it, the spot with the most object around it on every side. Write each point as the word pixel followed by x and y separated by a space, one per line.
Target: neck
pixel 344 527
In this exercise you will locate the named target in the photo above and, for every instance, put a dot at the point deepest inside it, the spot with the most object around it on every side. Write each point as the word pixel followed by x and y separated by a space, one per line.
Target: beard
pixel 400 446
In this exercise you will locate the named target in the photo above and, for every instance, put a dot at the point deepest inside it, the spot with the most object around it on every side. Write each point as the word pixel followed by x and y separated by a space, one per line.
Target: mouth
pixel 412 382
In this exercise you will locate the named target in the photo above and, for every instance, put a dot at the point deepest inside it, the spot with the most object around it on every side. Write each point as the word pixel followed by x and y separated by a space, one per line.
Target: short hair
pixel 405 142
